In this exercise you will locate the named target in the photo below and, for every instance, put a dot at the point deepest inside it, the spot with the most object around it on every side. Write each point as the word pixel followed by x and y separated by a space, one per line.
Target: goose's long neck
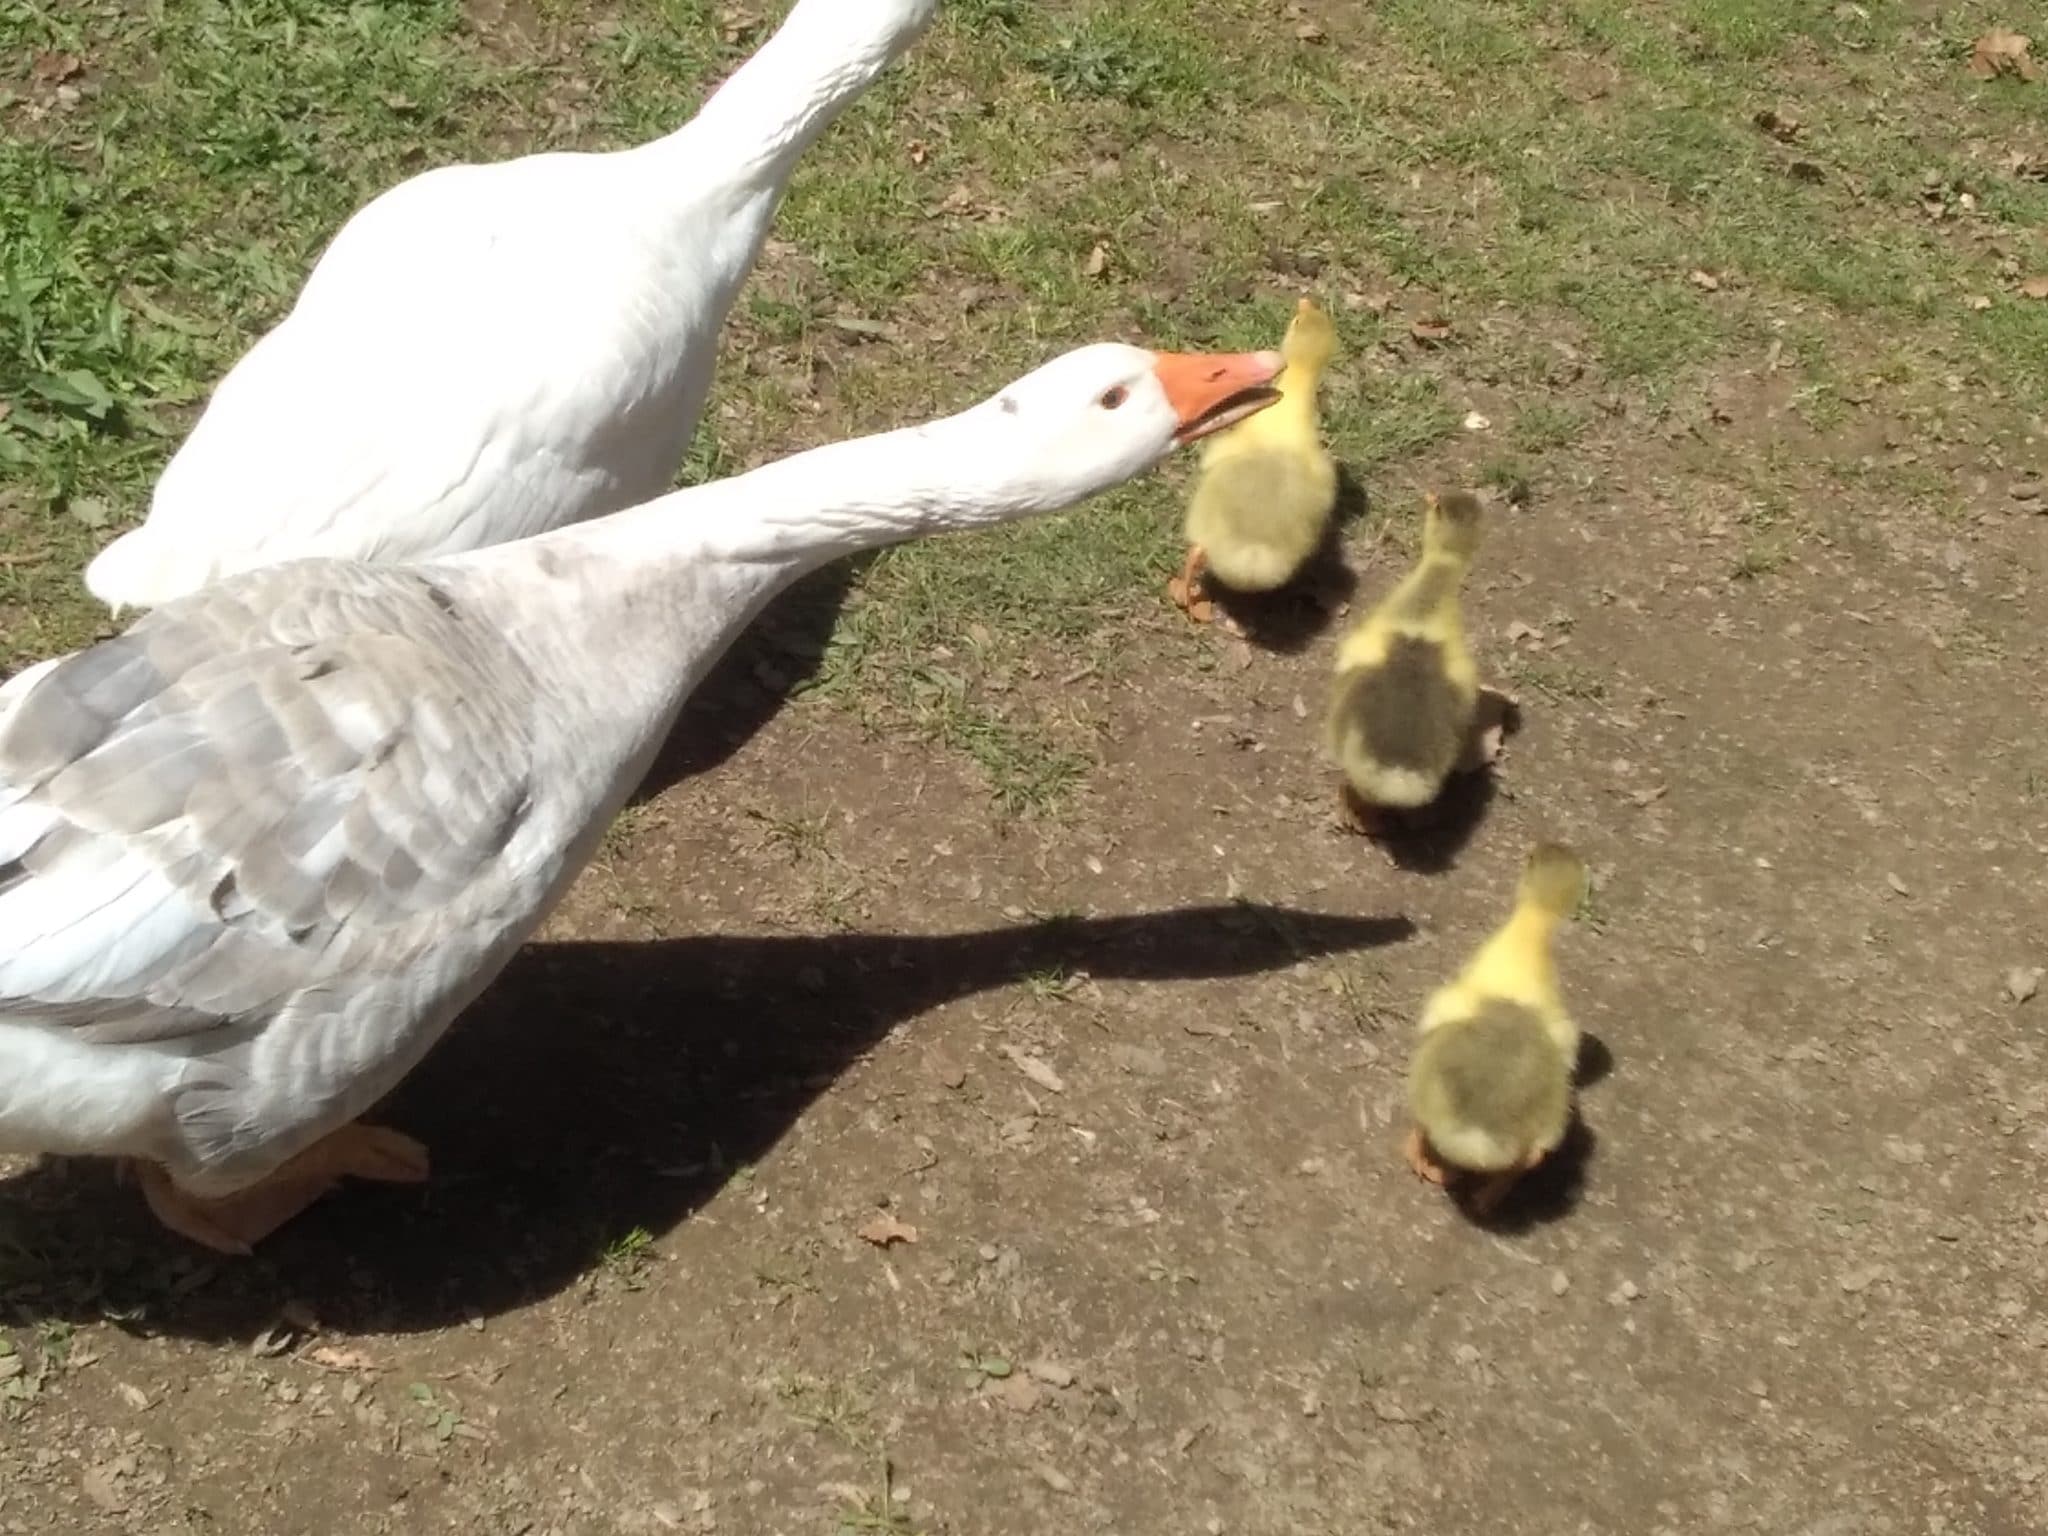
pixel 642 604
pixel 757 124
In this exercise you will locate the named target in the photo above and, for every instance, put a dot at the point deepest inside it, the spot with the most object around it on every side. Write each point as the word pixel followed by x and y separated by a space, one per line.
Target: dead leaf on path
pixel 1035 1069
pixel 2023 981
pixel 883 1228
pixel 339 1359
pixel 2003 51
pixel 1431 330
pixel 55 68
pixel 2035 287
pixel 1781 123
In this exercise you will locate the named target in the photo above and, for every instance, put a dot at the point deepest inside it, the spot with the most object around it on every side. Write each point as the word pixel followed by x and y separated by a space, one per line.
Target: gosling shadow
pixel 1290 620
pixel 1553 1190
pixel 1430 842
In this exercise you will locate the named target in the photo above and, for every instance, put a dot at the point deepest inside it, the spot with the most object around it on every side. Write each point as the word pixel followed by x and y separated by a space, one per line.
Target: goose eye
pixel 1113 397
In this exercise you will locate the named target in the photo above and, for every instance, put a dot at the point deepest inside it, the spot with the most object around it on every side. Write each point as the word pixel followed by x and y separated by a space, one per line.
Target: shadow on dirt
pixel 596 1088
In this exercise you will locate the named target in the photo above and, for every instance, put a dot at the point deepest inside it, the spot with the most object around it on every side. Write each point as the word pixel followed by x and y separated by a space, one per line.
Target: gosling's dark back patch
pixel 1498 1070
pixel 1405 710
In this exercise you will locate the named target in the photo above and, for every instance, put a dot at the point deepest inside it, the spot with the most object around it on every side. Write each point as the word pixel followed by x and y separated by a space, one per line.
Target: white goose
pixel 259 850
pixel 489 351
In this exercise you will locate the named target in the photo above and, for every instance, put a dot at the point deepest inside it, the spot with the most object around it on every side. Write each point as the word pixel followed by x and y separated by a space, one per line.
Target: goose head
pixel 1100 415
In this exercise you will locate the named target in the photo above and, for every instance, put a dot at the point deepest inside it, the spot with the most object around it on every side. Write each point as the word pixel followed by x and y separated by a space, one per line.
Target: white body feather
pixel 486 352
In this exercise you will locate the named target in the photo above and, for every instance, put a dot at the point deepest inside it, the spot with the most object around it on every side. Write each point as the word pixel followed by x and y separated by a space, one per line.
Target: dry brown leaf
pixel 919 151
pixel 736 24
pixel 2035 287
pixel 1051 1372
pixel 2003 51
pixel 1016 1392
pixel 1704 280
pixel 2023 981
pixel 56 68
pixel 1977 301
pixel 1035 1069
pixel 1781 123
pixel 1431 330
pixel 1097 262
pixel 335 1359
pixel 102 1485
pixel 883 1228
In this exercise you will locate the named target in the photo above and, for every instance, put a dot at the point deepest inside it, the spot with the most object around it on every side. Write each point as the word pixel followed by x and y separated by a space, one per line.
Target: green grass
pixel 1546 174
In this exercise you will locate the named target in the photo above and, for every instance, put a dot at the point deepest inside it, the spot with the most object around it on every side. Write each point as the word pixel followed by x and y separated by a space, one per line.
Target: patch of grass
pixel 879 1511
pixel 1538 171
pixel 1544 426
pixel 625 1258
pixel 828 1407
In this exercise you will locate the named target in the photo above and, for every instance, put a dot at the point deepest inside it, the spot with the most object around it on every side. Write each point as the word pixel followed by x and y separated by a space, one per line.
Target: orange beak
pixel 1211 391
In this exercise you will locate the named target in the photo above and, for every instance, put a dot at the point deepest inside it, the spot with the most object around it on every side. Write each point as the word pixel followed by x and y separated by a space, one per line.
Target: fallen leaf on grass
pixel 2023 981
pixel 2035 287
pixel 1978 302
pixel 1703 280
pixel 1097 262
pixel 1431 331
pixel 56 68
pixel 1781 123
pixel 883 1228
pixel 2002 51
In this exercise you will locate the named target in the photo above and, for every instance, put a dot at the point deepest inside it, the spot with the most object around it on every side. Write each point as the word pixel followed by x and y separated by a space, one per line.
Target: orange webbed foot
pixel 235 1223
pixel 1421 1161
pixel 1186 588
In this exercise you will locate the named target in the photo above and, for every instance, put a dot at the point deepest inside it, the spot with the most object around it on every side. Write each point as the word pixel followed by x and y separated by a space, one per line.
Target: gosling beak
pixel 1210 391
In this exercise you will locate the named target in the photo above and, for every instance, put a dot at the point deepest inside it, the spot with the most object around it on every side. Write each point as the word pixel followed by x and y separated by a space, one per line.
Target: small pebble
pixel 1560 1282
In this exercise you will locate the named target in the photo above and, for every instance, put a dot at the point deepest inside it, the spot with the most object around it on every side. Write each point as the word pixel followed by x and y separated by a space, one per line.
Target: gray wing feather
pixel 307 767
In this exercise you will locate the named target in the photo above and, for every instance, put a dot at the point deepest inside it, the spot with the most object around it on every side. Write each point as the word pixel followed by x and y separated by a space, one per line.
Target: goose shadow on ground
pixel 1290 620
pixel 595 1089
